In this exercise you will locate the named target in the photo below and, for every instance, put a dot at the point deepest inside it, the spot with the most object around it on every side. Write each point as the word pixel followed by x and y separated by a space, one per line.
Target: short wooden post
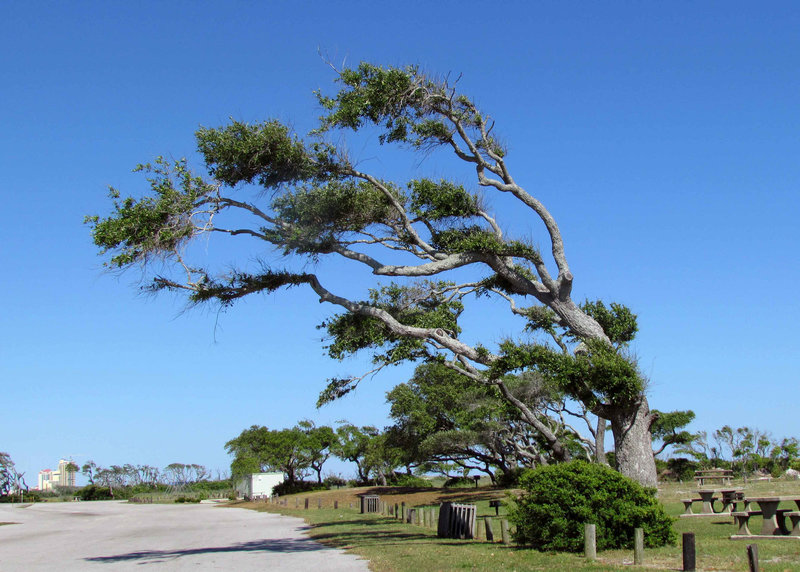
pixel 396 510
pixel 336 504
pixel 504 532
pixel 487 522
pixel 589 541
pixel 478 532
pixel 306 504
pixel 638 546
pixel 402 511
pixel 752 557
pixel 689 554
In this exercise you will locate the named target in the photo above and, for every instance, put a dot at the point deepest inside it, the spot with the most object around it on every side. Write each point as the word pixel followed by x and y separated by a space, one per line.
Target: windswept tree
pixel 272 190
pixel 10 479
pixel 260 449
pixel 669 429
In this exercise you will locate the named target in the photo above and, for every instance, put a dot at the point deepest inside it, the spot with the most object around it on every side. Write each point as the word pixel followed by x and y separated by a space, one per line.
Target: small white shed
pixel 259 485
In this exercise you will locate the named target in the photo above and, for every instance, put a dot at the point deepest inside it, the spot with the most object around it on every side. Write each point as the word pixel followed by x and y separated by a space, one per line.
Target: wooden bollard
pixel 296 502
pixel 402 512
pixel 487 522
pixel 306 504
pixel 504 532
pixel 590 541
pixel 638 546
pixel 689 554
pixel 752 557
pixel 336 504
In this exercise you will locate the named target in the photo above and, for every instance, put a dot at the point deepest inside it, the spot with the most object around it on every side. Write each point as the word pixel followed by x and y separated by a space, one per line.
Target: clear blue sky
pixel 664 137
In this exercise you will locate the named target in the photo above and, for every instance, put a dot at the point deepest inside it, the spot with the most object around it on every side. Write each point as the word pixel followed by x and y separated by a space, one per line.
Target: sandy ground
pixel 114 535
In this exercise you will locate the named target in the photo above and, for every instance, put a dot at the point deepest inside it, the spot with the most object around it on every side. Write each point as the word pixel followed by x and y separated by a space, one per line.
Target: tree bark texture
pixel 632 441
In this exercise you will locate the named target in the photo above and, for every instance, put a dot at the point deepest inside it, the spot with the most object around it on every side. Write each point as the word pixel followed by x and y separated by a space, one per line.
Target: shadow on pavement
pixel 285 545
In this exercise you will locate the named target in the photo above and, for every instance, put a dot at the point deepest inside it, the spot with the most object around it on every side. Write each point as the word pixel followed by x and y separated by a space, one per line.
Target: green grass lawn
pixel 394 546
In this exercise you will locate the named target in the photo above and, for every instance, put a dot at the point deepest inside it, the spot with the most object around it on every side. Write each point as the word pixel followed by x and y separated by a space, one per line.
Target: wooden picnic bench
pixel 713 476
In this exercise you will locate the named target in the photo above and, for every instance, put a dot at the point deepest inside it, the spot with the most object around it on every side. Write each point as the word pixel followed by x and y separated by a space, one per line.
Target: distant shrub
pixel 410 481
pixel 287 488
pixel 454 482
pixel 184 499
pixel 682 469
pixel 334 481
pixel 559 499
pixel 509 479
pixel 94 492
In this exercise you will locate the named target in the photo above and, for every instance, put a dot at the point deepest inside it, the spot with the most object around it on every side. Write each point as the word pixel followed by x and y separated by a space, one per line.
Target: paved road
pixel 113 536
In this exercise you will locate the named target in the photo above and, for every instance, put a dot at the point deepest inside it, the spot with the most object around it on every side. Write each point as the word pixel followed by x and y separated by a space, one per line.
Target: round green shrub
pixel 558 500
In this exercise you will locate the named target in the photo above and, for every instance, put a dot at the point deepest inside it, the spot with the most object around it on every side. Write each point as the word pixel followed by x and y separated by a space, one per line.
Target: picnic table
pixel 774 518
pixel 728 497
pixel 714 476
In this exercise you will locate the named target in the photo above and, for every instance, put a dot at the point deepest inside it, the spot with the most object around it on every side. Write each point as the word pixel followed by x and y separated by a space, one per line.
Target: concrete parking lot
pixel 115 535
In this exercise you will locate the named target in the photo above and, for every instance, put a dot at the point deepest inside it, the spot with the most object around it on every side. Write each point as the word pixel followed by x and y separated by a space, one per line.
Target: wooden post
pixel 477 530
pixel 504 532
pixel 689 555
pixel 319 503
pixel 589 541
pixel 638 546
pixel 752 557
pixel 306 504
pixel 336 504
pixel 402 512
pixel 487 522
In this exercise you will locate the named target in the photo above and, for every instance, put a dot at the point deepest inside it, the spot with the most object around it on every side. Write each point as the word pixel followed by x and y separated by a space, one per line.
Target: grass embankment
pixel 394 546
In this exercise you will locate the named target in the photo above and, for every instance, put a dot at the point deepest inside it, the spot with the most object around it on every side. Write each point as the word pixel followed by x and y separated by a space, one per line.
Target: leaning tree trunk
pixel 632 442
pixel 600 442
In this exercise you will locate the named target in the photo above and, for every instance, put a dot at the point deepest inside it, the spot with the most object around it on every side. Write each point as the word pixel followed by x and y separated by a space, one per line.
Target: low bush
pixel 509 479
pixel 334 481
pixel 410 481
pixel 95 492
pixel 287 488
pixel 454 482
pixel 559 500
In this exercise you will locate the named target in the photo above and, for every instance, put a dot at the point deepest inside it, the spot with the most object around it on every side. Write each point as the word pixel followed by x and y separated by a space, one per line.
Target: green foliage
pixel 277 450
pixel 238 284
pixel 617 321
pixel 480 240
pixel 332 481
pixel 435 201
pixel 266 152
pixel 557 501
pixel 403 480
pixel 601 369
pixel 459 482
pixel 682 469
pixel 668 428
pixel 320 216
pixel 290 488
pixel 156 225
pixel 94 492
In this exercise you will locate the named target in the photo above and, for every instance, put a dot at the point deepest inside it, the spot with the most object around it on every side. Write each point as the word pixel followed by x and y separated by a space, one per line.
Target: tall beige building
pixel 61 477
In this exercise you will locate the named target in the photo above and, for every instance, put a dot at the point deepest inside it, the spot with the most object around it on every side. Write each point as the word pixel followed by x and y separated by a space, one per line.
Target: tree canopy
pixel 305 199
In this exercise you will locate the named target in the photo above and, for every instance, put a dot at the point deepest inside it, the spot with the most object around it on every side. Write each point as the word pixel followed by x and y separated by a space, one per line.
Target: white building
pixel 61 477
pixel 258 485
